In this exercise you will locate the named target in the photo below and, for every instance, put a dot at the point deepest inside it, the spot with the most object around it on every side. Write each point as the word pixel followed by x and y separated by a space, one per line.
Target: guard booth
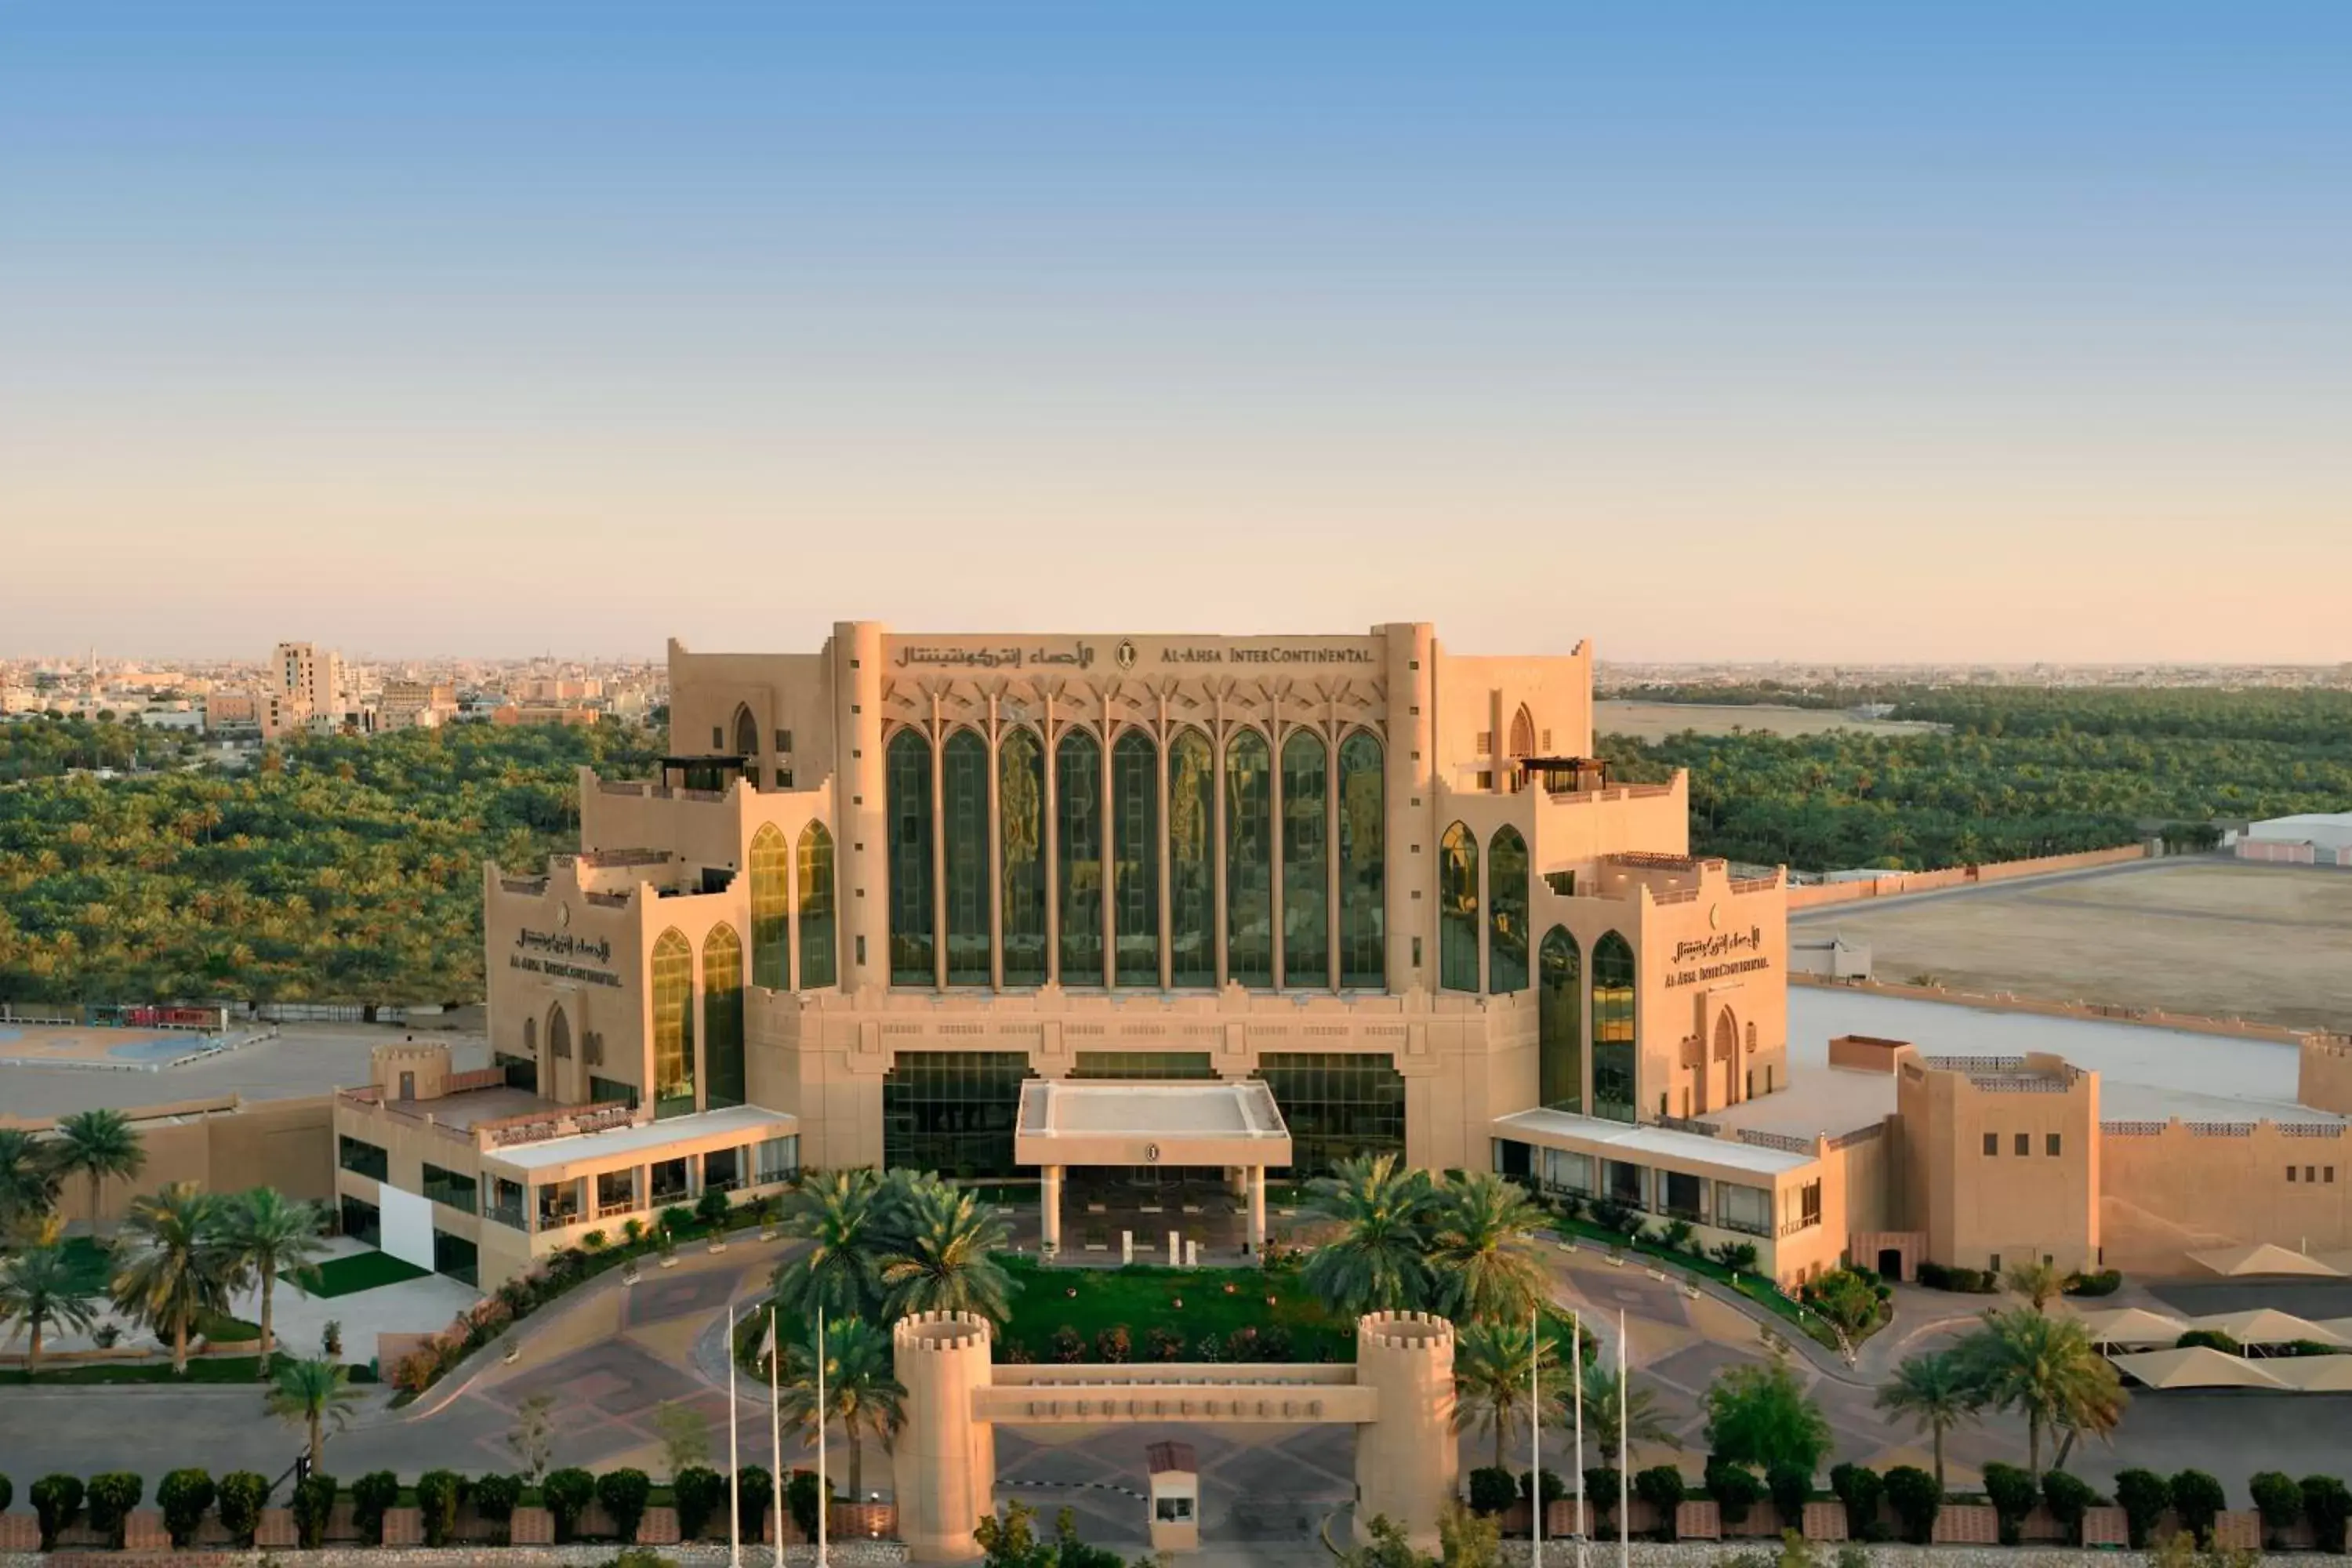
pixel 1175 1497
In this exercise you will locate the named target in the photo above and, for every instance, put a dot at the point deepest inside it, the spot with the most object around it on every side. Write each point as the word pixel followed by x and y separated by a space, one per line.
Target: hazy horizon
pixel 1822 333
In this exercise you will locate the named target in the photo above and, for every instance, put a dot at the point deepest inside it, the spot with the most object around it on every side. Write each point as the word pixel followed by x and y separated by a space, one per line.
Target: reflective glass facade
pixel 953 1112
pixel 1020 794
pixel 1078 842
pixel 1613 1049
pixel 817 943
pixel 1363 818
pixel 1306 860
pixel 1249 860
pixel 963 814
pixel 772 910
pixel 909 775
pixel 1143 1065
pixel 1560 1005
pixel 672 990
pixel 722 1017
pixel 1135 857
pixel 1338 1105
pixel 1457 910
pixel 1192 870
pixel 1506 912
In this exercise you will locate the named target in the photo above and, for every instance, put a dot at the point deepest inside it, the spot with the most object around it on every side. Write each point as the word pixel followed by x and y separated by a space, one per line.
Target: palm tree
pixel 169 1265
pixel 840 1215
pixel 37 1292
pixel 270 1234
pixel 1938 1392
pixel 1484 1249
pixel 1640 1420
pixel 2039 1283
pixel 97 1144
pixel 859 1390
pixel 311 1394
pixel 1497 1369
pixel 1378 1261
pixel 28 1180
pixel 942 1262
pixel 2026 1360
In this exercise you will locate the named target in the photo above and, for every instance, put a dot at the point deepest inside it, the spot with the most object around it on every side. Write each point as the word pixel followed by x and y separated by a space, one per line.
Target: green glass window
pixel 1020 798
pixel 722 1016
pixel 1144 1065
pixel 908 773
pixel 1306 861
pixel 963 813
pixel 1135 857
pixel 363 1158
pixel 1560 1009
pixel 612 1092
pixel 1457 910
pixel 953 1112
pixel 817 943
pixel 1613 1046
pixel 455 1189
pixel 1078 832
pixel 1338 1105
pixel 1363 824
pixel 1191 873
pixel 1249 860
pixel 458 1258
pixel 673 999
pixel 1506 912
pixel 772 910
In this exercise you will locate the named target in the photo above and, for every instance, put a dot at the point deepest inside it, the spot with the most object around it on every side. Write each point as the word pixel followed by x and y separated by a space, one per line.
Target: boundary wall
pixel 1813 895
pixel 2096 1012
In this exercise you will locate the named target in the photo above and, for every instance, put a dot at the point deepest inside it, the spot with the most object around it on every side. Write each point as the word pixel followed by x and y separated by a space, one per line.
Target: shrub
pixel 1734 1488
pixel 1859 1488
pixel 1166 1343
pixel 370 1495
pixel 1917 1499
pixel 1610 1215
pixel 1676 1235
pixel 243 1496
pixel 312 1505
pixel 1555 1487
pixel 1210 1348
pixel 1069 1346
pixel 567 1493
pixel 112 1497
pixel 700 1492
pixel 2106 1282
pixel 711 1207
pixel 2069 1497
pixel 185 1496
pixel 495 1497
pixel 2012 1494
pixel 633 1231
pixel 1791 1487
pixel 1274 1343
pixel 2144 1496
pixel 2279 1500
pixel 1661 1485
pixel 438 1493
pixel 624 1492
pixel 800 1497
pixel 2212 1338
pixel 755 1489
pixel 1601 1486
pixel 2327 1503
pixel 595 1241
pixel 676 1219
pixel 56 1499
pixel 1491 1490
pixel 1242 1344
pixel 1740 1257
pixel 2196 1499
pixel 1115 1344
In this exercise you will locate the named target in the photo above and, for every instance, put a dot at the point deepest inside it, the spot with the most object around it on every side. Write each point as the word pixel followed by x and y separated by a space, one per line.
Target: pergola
pixel 1233 1125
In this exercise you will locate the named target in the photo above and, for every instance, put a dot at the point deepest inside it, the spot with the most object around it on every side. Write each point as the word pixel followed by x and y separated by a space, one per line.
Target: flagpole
pixel 1624 1483
pixel 776 1432
pixel 1535 1429
pixel 734 1460
pixel 824 1486
pixel 1575 1321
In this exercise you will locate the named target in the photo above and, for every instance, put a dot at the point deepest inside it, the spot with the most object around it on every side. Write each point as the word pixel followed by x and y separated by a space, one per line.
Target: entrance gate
pixel 1399 1396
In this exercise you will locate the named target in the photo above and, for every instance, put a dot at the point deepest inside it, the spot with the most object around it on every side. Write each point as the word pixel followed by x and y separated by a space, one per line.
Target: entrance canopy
pixel 1122 1123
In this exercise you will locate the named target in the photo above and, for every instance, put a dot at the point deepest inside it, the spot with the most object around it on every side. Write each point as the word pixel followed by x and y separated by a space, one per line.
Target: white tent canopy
pixel 2132 1326
pixel 2269 1326
pixel 2267 1257
pixel 2199 1367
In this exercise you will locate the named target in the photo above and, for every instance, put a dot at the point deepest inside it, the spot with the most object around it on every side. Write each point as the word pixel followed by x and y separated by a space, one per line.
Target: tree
pixel 1847 1300
pixel 2039 1283
pixel 1379 1261
pixel 939 1256
pixel 1385 1546
pixel 840 1216
pixel 1663 1489
pixel 2197 1498
pixel 38 1292
pixel 311 1394
pixel 625 1493
pixel 2045 1368
pixel 1759 1413
pixel 28 1180
pixel 169 1265
pixel 1467 1540
pixel 272 1235
pixel 1917 1498
pixel 1611 1407
pixel 685 1437
pixel 1937 1393
pixel 859 1391
pixel 2144 1496
pixel 531 1440
pixel 1482 1244
pixel 1497 1369
pixel 2327 1503
pixel 2278 1500
pixel 1859 1488
pixel 95 1145
pixel 186 1496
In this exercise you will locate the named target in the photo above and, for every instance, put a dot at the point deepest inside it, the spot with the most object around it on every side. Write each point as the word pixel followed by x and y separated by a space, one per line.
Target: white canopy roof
pixel 2267 1257
pixel 2199 1367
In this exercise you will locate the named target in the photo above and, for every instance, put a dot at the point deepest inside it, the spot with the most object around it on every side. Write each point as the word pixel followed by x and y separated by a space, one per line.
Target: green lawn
pixel 360 1271
pixel 1215 1304
pixel 200 1369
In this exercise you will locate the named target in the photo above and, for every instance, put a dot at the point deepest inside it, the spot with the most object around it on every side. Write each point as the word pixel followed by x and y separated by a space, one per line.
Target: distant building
pixel 2313 839
pixel 225 710
pixel 415 704
pixel 309 676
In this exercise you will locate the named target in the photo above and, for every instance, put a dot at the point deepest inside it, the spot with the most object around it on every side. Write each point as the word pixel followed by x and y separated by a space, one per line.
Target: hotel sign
pixel 1727 947
pixel 560 947
pixel 1128 654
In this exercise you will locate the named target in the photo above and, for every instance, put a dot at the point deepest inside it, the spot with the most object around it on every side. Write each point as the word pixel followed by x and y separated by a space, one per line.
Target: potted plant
pixel 330 1340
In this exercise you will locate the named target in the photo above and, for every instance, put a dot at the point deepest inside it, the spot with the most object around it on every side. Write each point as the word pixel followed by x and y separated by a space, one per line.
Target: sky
pixel 1703 332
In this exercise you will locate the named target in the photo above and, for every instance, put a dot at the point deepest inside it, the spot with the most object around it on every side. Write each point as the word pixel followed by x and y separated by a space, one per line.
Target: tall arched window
pixel 672 990
pixel 1020 798
pixel 772 909
pixel 747 737
pixel 1364 821
pixel 1613 1046
pixel 1249 860
pixel 1135 857
pixel 963 814
pixel 1191 873
pixel 1306 860
pixel 1079 833
pixel 819 962
pixel 1559 1007
pixel 1506 912
pixel 1523 734
pixel 909 779
pixel 1457 910
pixel 722 1017
pixel 559 1034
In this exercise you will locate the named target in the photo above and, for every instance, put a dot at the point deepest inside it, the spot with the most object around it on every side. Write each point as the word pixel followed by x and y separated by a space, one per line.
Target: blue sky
pixel 1705 330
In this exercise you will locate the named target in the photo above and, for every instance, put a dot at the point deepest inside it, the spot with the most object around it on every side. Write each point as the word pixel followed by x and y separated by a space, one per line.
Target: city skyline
pixel 1825 335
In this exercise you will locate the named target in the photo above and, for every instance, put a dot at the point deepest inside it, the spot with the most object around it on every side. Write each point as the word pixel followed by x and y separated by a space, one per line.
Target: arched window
pixel 963 814
pixel 1020 798
pixel 1457 910
pixel 1191 873
pixel 747 737
pixel 1249 860
pixel 1363 824
pixel 1506 916
pixel 672 989
pixel 819 966
pixel 559 1034
pixel 1523 734
pixel 1135 857
pixel 1078 833
pixel 772 909
pixel 1306 860
pixel 1560 1007
pixel 722 1017
pixel 909 772
pixel 1614 1085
